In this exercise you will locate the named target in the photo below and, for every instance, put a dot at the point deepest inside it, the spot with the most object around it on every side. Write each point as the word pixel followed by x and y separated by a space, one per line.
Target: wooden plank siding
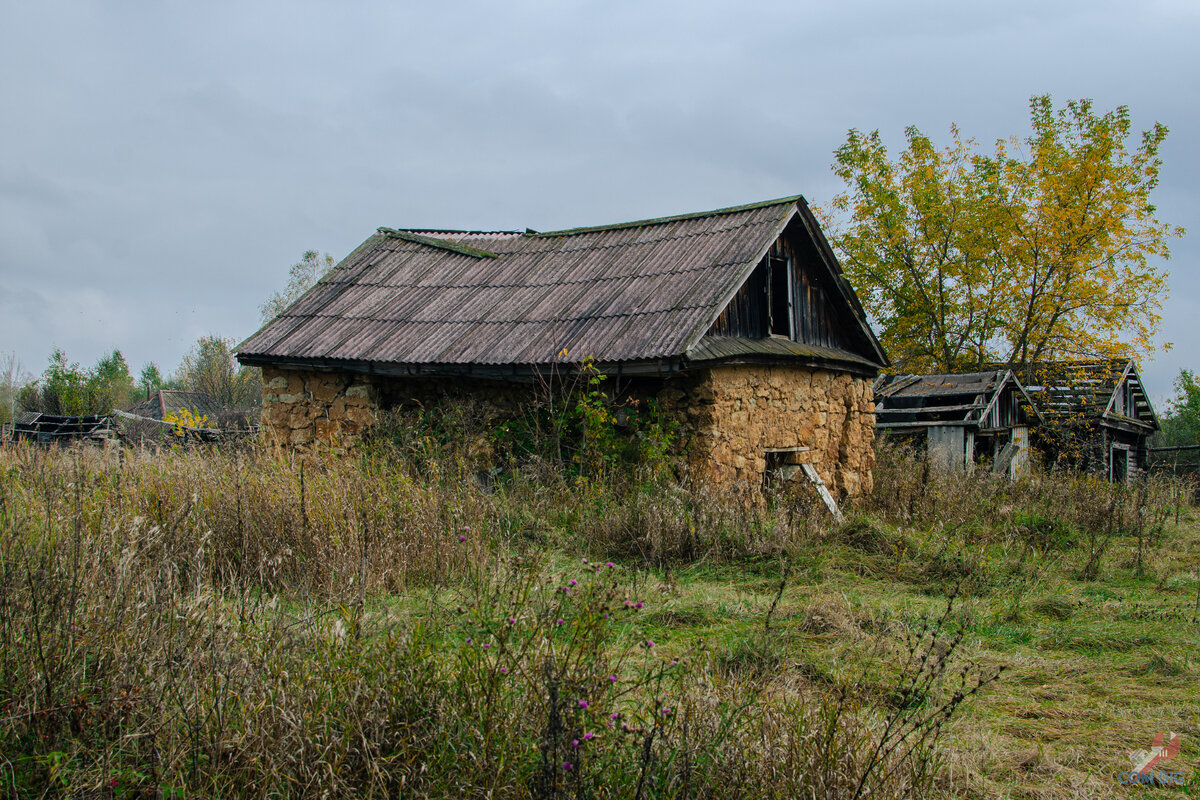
pixel 755 310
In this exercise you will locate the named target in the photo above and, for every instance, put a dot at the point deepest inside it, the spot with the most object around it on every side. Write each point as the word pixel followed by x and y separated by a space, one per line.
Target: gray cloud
pixel 165 164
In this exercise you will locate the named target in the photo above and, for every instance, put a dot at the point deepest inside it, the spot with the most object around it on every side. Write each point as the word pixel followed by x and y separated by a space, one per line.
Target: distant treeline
pixel 67 388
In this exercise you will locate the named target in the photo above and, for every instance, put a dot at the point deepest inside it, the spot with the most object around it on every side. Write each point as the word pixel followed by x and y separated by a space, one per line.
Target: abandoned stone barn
pixel 737 320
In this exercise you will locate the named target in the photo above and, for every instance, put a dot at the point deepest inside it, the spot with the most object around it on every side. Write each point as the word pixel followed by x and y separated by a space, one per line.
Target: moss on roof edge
pixel 444 244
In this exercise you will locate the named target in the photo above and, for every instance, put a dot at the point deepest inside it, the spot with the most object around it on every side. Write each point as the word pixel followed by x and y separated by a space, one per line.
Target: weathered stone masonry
pixel 731 416
pixel 302 409
pixel 307 410
pixel 735 414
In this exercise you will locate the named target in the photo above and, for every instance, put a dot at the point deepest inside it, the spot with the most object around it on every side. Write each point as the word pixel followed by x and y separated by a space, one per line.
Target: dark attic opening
pixel 779 286
pixel 785 296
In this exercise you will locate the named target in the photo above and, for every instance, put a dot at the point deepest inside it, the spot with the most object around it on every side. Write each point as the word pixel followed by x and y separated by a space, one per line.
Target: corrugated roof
pixel 635 291
pixel 935 385
pixel 916 400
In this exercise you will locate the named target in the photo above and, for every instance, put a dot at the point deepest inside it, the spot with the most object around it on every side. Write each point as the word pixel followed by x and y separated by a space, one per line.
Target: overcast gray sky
pixel 163 164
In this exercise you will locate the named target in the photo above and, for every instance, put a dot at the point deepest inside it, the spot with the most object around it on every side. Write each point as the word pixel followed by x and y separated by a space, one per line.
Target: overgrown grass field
pixel 215 623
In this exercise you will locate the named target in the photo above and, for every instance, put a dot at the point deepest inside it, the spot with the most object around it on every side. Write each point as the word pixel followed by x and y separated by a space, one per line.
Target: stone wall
pixel 306 411
pixel 736 414
pixel 731 416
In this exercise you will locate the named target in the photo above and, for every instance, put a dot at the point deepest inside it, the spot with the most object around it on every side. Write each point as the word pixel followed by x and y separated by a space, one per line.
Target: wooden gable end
pixel 1129 399
pixel 790 294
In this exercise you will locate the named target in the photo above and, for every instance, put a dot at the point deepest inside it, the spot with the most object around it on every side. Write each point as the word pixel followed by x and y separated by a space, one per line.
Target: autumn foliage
pixel 1046 248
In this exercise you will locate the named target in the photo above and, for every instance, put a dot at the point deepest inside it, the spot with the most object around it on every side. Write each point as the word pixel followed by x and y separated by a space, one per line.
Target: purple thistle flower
pixel 567 766
pixel 462 538
pixel 649 643
pixel 612 678
pixel 470 640
pixel 666 711
pixel 572 582
pixel 583 703
pixel 610 564
pixel 616 715
pixel 512 620
pixel 638 604
pixel 559 621
pixel 575 743
pixel 504 670
pixel 486 646
pixel 588 736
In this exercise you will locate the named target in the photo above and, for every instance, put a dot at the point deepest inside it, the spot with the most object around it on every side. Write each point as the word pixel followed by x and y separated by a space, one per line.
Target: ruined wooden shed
pixel 1098 416
pixel 962 419
pixel 738 321
pixel 55 429
pixel 168 403
pixel 171 416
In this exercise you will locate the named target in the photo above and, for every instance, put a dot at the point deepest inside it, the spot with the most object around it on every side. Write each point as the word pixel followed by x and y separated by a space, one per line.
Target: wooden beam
pixel 927 409
pixel 810 472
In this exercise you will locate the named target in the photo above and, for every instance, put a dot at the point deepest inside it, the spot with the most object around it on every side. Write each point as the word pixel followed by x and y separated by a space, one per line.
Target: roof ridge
pixel 444 244
pixel 676 218
pixel 458 230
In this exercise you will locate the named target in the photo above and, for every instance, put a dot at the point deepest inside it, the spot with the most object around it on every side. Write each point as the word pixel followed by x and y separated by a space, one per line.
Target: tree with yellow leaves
pixel 1047 248
pixel 184 420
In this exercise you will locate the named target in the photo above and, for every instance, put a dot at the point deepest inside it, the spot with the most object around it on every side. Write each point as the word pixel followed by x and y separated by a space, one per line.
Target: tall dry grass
pixel 201 624
pixel 968 515
pixel 211 623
